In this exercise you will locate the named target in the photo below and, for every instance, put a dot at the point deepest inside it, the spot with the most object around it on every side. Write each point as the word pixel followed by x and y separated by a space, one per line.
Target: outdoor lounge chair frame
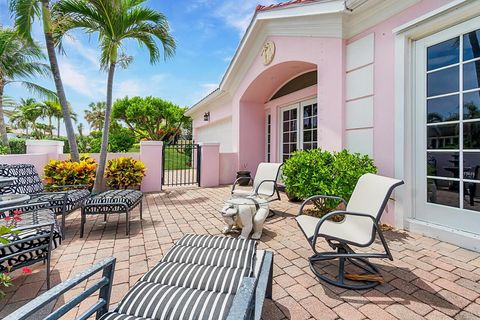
pixel 46 246
pixel 343 252
pixel 246 305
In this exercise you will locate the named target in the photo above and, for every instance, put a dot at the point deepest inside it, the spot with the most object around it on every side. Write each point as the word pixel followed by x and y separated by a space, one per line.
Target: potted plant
pixel 124 173
pixel 244 176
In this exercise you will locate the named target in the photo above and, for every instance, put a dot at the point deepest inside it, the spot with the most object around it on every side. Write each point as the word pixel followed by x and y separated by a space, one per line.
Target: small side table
pixel 252 212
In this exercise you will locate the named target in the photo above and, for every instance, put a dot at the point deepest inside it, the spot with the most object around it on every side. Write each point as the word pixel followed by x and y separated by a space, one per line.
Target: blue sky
pixel 207 34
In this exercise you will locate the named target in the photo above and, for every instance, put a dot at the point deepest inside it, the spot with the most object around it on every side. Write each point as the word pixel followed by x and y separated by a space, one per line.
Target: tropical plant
pixel 4 149
pixel 25 12
pixel 96 115
pixel 161 120
pixel 120 139
pixel 26 114
pixel 53 109
pixel 69 172
pixel 123 173
pixel 18 146
pixel 115 22
pixel 19 61
pixel 311 172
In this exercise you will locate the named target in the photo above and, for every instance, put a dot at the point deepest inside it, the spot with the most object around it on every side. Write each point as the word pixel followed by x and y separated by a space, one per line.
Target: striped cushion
pixel 197 279
pixel 118 316
pixel 75 199
pixel 105 201
pixel 202 277
pixel 156 301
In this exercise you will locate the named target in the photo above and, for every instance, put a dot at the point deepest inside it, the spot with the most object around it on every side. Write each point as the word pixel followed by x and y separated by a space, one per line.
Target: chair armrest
pixel 243 305
pixel 263 181
pixel 320 197
pixel 342 213
pixel 37 205
pixel 237 181
pixel 104 284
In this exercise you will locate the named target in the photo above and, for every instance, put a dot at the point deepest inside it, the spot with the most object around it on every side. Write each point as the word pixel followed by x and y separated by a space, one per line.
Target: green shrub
pixel 124 172
pixel 318 172
pixel 68 172
pixel 3 149
pixel 18 146
pixel 120 139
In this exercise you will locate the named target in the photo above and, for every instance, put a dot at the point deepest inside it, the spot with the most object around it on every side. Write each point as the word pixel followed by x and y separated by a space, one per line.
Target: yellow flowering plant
pixel 68 172
pixel 124 172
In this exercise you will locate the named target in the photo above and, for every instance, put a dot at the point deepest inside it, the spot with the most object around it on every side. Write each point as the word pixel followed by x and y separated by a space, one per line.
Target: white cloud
pixel 138 87
pixel 88 85
pixel 90 54
pixel 238 14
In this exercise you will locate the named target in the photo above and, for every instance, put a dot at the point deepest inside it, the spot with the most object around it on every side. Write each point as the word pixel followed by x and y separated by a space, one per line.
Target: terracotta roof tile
pixel 282 4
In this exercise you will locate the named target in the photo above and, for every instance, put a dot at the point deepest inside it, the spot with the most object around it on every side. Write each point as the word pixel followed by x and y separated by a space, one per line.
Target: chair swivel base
pixel 340 280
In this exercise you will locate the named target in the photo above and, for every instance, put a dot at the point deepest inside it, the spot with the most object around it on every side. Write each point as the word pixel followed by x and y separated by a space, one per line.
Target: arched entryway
pixel 261 112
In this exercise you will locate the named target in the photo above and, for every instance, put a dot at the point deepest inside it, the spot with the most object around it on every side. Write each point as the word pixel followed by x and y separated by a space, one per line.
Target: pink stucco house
pixel 397 80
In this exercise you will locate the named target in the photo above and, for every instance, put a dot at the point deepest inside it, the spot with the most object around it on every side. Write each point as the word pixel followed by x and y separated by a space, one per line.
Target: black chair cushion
pixel 105 201
pixel 28 181
pixel 75 199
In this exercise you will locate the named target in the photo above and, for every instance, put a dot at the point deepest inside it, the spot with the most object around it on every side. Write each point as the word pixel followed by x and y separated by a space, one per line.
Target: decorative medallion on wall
pixel 268 52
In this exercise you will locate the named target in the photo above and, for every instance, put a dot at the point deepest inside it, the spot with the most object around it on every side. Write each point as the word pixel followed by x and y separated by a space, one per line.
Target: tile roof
pixel 282 4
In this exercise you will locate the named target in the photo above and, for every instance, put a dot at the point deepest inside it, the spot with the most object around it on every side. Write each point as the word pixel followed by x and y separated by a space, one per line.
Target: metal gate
pixel 181 164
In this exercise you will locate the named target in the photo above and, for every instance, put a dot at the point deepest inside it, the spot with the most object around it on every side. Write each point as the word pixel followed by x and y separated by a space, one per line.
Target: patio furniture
pixel 264 185
pixel 358 228
pixel 32 241
pixel 112 201
pixel 28 182
pixel 245 213
pixel 200 277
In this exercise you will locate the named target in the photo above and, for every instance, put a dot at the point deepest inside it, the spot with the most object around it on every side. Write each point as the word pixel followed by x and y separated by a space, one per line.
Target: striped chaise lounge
pixel 200 277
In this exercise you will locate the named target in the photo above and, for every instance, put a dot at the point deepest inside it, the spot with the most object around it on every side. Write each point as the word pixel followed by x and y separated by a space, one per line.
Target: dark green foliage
pixel 18 146
pixel 318 172
pixel 120 139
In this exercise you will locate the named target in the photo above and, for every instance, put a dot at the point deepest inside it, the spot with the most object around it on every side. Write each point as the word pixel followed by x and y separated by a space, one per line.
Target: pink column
pixel 151 154
pixel 210 165
pixel 52 148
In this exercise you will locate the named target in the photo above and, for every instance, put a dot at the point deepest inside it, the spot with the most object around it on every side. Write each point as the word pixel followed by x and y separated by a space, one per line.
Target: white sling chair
pixel 358 228
pixel 264 184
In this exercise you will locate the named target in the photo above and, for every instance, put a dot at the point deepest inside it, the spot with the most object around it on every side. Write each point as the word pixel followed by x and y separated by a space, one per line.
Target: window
pixel 299 124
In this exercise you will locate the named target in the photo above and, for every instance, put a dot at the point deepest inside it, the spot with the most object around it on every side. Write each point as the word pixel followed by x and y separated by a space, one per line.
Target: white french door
pixel 447 112
pixel 298 128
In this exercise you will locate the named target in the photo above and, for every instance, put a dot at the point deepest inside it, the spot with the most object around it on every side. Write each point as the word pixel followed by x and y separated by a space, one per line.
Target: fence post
pixel 151 154
pixel 209 164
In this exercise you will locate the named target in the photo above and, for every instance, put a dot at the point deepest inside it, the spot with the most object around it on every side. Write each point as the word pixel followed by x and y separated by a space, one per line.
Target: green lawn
pixel 175 160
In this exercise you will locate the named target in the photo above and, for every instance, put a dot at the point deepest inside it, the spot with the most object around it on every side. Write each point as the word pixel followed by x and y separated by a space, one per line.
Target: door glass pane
pixel 471 199
pixel 443 54
pixel 443 81
pixel 443 109
pixel 471 75
pixel 471 105
pixel 444 192
pixel 471 135
pixel 471 47
pixel 443 164
pixel 471 165
pixel 443 136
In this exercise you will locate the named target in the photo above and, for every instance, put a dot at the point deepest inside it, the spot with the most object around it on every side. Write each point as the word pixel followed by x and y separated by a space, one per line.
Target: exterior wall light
pixel 206 116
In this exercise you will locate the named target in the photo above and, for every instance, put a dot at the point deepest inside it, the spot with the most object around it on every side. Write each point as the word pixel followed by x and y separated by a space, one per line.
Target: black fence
pixel 181 164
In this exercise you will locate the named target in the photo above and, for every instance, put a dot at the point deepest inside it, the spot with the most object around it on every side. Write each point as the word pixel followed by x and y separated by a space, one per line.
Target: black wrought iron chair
pixel 359 228
pixel 63 202
pixel 32 239
pixel 200 277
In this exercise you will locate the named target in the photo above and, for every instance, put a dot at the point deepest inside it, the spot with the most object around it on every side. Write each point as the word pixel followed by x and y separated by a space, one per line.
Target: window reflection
pixel 471 135
pixel 443 164
pixel 471 165
pixel 443 54
pixel 471 75
pixel 443 81
pixel 471 105
pixel 443 136
pixel 471 198
pixel 444 192
pixel 471 46
pixel 443 109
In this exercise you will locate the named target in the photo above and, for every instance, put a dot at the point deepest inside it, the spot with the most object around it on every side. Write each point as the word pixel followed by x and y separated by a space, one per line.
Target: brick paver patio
pixel 428 279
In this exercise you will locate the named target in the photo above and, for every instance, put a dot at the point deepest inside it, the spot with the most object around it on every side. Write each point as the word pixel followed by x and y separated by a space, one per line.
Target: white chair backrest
pixel 371 194
pixel 266 171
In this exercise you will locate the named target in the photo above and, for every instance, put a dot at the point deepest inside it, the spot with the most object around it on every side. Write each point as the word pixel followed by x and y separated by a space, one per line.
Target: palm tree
pixel 115 21
pixel 52 110
pixel 96 115
pixel 26 114
pixel 25 12
pixel 19 61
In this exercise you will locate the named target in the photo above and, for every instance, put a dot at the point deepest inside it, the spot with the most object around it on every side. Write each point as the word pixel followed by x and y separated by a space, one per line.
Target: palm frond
pixel 24 13
pixel 39 90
